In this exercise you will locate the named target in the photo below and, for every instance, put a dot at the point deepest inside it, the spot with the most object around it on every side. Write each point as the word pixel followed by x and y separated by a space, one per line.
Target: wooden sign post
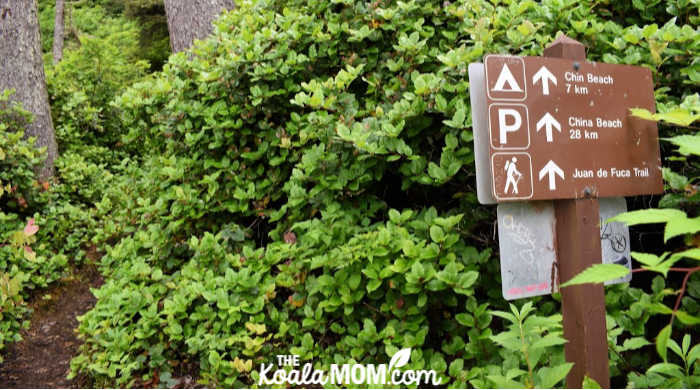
pixel 557 128
pixel 578 247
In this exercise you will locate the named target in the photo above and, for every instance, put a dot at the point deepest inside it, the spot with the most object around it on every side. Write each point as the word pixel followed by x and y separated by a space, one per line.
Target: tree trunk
pixel 192 19
pixel 58 32
pixel 22 69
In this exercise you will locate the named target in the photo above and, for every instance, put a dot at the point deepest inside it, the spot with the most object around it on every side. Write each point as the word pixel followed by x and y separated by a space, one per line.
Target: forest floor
pixel 42 358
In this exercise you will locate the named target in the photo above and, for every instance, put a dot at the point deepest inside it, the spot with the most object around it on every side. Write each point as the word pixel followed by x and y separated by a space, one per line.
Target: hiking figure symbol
pixel 513 176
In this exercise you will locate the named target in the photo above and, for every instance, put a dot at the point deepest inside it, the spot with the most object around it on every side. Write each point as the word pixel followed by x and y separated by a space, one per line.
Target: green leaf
pixel 307 342
pixel 467 279
pixel 648 259
pixel 678 226
pixel 687 319
pixel 674 180
pixel 465 319
pixel 373 284
pixel 670 369
pixel 527 28
pixel 650 30
pixel 458 118
pixel 662 341
pixel 598 273
pixel 634 343
pixel 354 280
pixel 660 264
pixel 394 216
pixel 638 217
pixel 214 359
pixel 589 383
pixel 437 234
pixel 456 368
pixel 550 376
pixel 548 341
pixel 694 354
pixel 673 346
pixel 631 38
pixel 436 172
pixel 690 254
pixel 437 363
pixel 508 340
pixel 642 113
pixel 505 315
pixel 678 117
pixel 686 344
pixel 687 144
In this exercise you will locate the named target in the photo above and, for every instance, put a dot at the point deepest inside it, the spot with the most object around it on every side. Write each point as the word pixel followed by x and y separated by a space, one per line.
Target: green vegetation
pixel 302 182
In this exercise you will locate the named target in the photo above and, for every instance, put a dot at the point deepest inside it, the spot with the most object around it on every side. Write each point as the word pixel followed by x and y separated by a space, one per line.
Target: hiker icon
pixel 513 176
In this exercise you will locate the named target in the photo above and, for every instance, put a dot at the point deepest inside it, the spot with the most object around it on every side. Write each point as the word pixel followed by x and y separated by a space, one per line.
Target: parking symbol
pixel 509 126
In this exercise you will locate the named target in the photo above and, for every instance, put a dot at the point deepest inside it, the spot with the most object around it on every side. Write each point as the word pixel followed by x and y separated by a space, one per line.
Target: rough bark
pixel 22 69
pixel 192 19
pixel 58 32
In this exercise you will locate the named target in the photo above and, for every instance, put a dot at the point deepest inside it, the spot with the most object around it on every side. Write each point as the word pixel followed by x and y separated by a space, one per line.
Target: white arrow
pixel 545 76
pixel 551 169
pixel 548 122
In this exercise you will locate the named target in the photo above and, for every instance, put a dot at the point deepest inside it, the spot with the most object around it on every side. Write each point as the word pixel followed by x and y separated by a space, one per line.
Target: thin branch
pixel 675 269
pixel 682 291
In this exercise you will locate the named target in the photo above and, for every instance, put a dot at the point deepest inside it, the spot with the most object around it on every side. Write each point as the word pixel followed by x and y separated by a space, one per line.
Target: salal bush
pixel 27 259
pixel 305 186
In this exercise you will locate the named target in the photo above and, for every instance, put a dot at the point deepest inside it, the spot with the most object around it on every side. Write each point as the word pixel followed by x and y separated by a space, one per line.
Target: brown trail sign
pixel 558 127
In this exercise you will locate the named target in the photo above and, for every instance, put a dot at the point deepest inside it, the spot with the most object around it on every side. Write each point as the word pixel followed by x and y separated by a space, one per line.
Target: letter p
pixel 509 126
pixel 509 121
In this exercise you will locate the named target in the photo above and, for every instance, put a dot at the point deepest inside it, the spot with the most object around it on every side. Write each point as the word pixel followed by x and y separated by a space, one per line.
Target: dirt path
pixel 42 359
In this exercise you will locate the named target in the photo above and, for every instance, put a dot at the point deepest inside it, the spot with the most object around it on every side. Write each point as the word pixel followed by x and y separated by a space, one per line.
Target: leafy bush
pixel 89 77
pixel 305 186
pixel 18 158
pixel 23 263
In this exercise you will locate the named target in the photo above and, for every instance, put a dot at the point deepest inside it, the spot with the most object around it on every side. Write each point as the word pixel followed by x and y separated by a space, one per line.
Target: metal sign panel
pixel 615 236
pixel 477 88
pixel 527 245
pixel 561 129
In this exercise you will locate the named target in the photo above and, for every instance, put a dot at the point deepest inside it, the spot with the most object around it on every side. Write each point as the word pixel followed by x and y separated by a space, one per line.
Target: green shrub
pixel 262 216
pixel 89 77
pixel 24 263
pixel 19 189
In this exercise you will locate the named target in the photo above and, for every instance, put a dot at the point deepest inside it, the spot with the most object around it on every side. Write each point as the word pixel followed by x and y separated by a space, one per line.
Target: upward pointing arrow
pixel 545 76
pixel 551 169
pixel 548 122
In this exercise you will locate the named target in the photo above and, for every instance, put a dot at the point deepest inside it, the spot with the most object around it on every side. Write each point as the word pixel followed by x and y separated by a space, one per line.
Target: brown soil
pixel 42 359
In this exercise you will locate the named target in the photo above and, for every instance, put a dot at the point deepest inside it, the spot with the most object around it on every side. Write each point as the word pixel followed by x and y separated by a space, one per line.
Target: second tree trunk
pixel 58 32
pixel 192 19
